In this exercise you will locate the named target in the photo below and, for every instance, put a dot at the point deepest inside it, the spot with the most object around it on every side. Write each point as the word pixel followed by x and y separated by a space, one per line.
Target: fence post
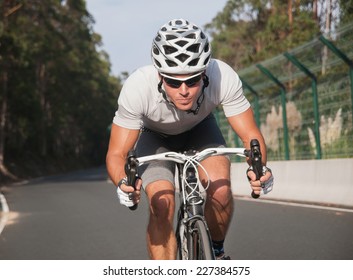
pixel 216 114
pixel 342 56
pixel 307 72
pixel 257 111
pixel 284 111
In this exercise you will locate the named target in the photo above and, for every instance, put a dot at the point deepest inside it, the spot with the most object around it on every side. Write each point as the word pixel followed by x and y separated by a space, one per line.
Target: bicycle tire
pixel 199 245
pixel 182 253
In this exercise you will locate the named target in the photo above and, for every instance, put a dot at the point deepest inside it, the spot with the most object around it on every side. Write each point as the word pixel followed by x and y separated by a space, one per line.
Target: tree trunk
pixel 328 16
pixel 327 31
pixel 290 15
pixel 41 87
pixel 315 11
pixel 3 111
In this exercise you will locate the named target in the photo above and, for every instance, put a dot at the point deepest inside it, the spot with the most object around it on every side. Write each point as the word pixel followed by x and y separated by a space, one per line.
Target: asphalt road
pixel 77 216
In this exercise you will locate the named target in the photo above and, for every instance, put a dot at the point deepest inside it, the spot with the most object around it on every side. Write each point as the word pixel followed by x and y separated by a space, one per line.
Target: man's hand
pixel 265 183
pixel 127 195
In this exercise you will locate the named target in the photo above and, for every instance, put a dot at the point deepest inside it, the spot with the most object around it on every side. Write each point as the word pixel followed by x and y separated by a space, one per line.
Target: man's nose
pixel 184 89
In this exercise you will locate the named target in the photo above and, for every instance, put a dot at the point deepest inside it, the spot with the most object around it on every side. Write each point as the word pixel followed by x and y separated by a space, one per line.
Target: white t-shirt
pixel 142 105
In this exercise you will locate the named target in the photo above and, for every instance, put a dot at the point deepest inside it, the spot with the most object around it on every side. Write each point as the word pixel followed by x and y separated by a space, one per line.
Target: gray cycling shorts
pixel 204 135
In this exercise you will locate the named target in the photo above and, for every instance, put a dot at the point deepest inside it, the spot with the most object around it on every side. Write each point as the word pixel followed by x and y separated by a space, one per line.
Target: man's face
pixel 182 90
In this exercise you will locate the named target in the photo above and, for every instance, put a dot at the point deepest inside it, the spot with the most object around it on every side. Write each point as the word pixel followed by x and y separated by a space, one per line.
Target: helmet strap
pixel 201 97
pixel 161 90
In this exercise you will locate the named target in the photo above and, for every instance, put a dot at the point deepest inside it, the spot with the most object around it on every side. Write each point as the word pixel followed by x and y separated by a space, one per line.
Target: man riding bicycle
pixel 168 106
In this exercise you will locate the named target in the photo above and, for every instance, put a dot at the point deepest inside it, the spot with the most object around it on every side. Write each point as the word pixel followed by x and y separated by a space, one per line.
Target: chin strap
pixel 199 100
pixel 201 97
pixel 162 91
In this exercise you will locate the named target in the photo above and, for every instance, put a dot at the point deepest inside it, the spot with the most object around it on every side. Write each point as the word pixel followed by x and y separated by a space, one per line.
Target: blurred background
pixel 58 90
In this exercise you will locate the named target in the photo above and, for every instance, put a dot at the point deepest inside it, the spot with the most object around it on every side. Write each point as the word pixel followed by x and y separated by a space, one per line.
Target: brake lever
pixel 131 173
pixel 256 161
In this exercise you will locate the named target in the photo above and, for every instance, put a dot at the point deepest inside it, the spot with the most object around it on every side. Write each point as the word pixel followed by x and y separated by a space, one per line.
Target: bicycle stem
pixel 193 201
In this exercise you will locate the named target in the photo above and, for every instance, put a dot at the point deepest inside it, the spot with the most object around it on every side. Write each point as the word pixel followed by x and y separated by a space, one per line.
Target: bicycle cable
pixel 191 161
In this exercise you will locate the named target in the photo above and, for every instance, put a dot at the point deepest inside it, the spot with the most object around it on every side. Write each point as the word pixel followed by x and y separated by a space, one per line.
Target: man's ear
pixel 160 84
pixel 206 81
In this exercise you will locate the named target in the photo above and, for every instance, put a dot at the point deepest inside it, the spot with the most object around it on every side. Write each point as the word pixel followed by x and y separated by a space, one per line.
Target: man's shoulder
pixel 222 72
pixel 146 70
pixel 142 77
pixel 140 87
pixel 217 65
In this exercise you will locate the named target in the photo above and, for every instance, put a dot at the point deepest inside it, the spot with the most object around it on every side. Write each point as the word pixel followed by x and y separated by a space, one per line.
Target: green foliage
pixel 346 11
pixel 60 96
pixel 249 31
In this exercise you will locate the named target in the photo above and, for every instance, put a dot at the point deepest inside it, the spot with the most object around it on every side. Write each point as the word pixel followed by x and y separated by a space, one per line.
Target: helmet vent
pixel 170 37
pixel 157 63
pixel 182 57
pixel 191 36
pixel 155 50
pixel 181 43
pixel 193 62
pixel 206 60
pixel 207 47
pixel 171 63
pixel 169 49
pixel 194 48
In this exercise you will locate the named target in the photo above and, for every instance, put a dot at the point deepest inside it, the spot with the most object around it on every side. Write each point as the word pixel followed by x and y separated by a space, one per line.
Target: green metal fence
pixel 303 99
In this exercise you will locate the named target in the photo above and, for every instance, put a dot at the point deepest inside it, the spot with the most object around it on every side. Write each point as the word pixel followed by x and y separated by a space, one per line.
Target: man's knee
pixel 220 196
pixel 161 199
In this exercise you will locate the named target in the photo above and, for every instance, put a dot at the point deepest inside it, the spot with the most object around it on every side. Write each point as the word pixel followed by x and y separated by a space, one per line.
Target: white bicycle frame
pixel 190 191
pixel 194 159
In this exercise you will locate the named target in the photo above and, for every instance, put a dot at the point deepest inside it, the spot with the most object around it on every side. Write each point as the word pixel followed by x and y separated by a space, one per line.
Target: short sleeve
pixel 130 102
pixel 228 87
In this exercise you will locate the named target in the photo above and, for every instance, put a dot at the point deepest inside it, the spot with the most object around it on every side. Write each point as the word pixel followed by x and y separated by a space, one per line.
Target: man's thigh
pixel 216 171
pixel 151 143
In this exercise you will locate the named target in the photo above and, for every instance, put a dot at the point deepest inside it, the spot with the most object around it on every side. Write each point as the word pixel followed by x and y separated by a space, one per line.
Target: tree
pixel 62 94
pixel 7 57
pixel 346 8
pixel 249 31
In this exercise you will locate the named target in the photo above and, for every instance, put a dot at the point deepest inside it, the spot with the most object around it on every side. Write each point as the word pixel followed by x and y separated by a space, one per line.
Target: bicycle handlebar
pixel 199 156
pixel 133 162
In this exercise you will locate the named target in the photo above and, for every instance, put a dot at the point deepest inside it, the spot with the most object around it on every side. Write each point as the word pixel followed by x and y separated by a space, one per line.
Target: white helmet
pixel 180 47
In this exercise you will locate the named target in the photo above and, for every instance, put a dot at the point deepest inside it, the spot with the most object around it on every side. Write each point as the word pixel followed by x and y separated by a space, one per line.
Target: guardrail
pixel 312 181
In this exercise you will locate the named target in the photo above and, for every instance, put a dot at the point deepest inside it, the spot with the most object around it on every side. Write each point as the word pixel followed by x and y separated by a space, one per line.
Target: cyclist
pixel 168 106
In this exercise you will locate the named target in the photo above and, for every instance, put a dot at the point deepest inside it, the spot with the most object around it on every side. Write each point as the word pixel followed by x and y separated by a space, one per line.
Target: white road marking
pixel 4 214
pixel 303 205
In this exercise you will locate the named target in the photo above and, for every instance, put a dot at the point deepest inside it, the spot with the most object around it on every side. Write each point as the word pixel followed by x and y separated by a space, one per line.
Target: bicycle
pixel 192 233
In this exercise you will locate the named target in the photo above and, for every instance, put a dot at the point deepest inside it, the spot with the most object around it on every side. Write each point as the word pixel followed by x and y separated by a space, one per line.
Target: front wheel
pixel 199 242
pixel 181 233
